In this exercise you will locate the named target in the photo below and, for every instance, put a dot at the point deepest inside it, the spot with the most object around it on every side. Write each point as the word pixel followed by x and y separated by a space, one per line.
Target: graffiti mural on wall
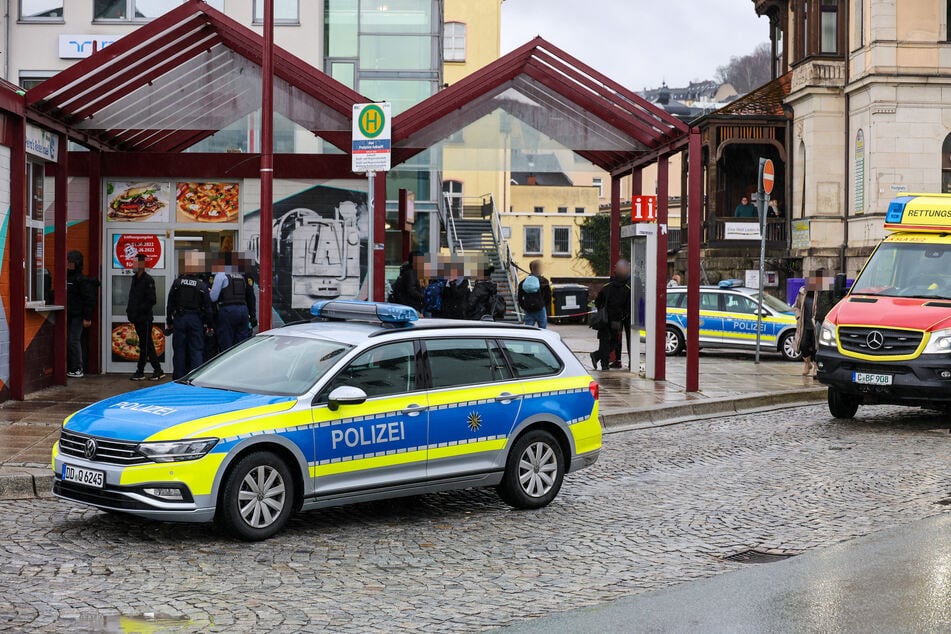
pixel 319 248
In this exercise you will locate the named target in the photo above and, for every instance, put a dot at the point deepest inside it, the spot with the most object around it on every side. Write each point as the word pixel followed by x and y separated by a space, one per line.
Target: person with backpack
pixel 433 295
pixel 484 300
pixel 455 296
pixel 81 294
pixel 534 296
pixel 406 288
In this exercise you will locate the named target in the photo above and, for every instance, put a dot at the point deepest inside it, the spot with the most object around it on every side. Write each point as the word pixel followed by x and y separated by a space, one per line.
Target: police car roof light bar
pixel 731 284
pixel 355 310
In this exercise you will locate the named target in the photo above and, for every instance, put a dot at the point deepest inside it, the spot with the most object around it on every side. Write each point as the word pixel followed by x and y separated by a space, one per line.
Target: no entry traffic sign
pixel 769 177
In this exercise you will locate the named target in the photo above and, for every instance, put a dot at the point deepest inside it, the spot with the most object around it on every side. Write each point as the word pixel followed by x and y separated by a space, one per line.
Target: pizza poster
pixel 127 246
pixel 207 201
pixel 125 342
pixel 142 201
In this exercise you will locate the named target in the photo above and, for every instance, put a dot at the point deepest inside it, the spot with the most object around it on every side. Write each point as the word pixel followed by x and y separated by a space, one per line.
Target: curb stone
pixel 23 483
pixel 662 416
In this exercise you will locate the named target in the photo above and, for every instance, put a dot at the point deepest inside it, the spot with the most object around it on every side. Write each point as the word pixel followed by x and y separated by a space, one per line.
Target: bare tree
pixel 747 72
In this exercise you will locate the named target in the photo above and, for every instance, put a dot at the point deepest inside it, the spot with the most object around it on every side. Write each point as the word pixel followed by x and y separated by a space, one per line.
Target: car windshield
pixel 903 269
pixel 773 303
pixel 270 364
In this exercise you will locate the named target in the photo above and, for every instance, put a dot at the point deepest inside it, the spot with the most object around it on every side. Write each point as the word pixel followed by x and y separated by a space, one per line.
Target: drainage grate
pixel 757 557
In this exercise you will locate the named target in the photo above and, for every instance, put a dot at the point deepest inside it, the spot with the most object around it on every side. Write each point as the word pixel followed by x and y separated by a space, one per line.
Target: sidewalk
pixel 729 381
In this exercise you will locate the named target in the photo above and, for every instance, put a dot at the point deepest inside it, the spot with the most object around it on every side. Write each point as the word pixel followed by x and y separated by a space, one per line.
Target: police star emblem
pixel 474 420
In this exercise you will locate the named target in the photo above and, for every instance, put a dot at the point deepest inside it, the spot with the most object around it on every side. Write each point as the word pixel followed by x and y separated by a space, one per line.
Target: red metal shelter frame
pixel 539 68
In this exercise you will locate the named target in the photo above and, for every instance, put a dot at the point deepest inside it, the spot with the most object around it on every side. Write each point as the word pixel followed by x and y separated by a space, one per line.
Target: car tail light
pixel 594 389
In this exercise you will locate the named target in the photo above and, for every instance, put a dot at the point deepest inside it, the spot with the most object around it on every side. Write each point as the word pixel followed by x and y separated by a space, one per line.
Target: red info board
pixel 126 246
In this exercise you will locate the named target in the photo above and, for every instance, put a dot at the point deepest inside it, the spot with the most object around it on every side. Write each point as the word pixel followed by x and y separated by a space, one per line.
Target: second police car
pixel 365 403
pixel 728 320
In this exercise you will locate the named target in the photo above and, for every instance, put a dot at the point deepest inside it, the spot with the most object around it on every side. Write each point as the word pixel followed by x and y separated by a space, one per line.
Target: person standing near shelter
pixel 455 295
pixel 233 293
pixel 80 309
pixel 674 281
pixel 745 209
pixel 811 307
pixel 406 288
pixel 534 296
pixel 189 313
pixel 139 312
pixel 484 300
pixel 615 300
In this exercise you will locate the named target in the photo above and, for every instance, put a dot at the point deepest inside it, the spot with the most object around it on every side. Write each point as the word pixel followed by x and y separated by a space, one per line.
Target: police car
pixel 728 320
pixel 366 402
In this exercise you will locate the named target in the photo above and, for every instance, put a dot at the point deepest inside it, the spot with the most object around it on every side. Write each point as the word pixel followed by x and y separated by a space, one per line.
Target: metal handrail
pixel 505 256
pixel 449 222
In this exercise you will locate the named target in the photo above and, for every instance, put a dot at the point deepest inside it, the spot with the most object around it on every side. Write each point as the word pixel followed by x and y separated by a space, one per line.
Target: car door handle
pixel 505 398
pixel 414 410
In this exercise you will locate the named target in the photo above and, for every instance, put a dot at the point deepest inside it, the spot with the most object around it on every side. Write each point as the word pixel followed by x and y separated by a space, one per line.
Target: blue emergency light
pixel 355 310
pixel 731 284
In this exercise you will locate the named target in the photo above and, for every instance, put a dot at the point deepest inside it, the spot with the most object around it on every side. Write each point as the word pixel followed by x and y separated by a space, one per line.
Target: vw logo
pixel 89 451
pixel 875 340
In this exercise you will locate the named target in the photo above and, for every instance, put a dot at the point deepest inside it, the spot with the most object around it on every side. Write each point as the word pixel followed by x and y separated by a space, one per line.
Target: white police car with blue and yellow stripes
pixel 366 402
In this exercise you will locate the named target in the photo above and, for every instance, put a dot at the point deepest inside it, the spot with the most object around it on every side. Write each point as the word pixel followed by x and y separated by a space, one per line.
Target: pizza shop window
pixel 38 283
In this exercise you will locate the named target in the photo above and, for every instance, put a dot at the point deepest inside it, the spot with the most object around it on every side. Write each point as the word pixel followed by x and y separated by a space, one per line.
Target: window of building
pixel 454 42
pixel 562 210
pixel 588 241
pixel 285 12
pixel 561 241
pixel 35 230
pixel 946 165
pixel 599 183
pixel 455 362
pixel 131 10
pixel 539 210
pixel 533 241
pixel 452 193
pixel 579 210
pixel 858 14
pixel 33 78
pixel 829 27
pixel 41 10
pixel 396 16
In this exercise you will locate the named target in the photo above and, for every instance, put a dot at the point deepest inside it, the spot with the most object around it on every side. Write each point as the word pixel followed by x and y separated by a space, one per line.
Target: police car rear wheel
pixel 258 497
pixel 674 342
pixel 534 471
pixel 787 346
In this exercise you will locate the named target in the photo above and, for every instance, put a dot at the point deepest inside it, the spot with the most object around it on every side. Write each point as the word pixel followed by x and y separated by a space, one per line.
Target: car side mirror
pixel 838 286
pixel 345 395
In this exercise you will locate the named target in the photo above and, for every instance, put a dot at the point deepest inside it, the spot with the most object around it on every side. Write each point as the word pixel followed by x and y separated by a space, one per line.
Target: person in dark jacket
pixel 80 309
pixel 615 299
pixel 484 300
pixel 233 293
pixel 455 295
pixel 534 297
pixel 189 314
pixel 139 312
pixel 406 288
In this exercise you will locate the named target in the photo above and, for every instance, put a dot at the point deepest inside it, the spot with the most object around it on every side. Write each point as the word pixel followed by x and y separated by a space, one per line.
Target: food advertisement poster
pixel 207 202
pixel 126 246
pixel 140 201
pixel 125 343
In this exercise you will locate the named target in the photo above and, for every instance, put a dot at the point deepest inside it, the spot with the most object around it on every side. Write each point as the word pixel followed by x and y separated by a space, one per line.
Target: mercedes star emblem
pixel 875 340
pixel 90 449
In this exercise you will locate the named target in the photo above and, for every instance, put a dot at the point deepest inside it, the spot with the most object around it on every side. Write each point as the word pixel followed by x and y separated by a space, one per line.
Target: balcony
pixel 714 233
pixel 818 73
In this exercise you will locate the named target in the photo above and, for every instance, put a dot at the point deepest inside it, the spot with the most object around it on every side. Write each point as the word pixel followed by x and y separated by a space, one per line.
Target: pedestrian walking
pixel 189 313
pixel 139 313
pixel 233 294
pixel 615 300
pixel 80 309
pixel 534 296
pixel 813 303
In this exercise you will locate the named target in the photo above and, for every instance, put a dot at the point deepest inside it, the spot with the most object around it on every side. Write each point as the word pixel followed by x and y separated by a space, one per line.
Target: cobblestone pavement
pixel 663 506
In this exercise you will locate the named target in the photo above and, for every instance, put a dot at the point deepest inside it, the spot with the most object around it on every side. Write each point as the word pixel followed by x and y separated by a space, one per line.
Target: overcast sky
pixel 640 43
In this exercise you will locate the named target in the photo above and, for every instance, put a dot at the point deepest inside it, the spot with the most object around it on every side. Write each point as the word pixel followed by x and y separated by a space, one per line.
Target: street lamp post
pixel 267 169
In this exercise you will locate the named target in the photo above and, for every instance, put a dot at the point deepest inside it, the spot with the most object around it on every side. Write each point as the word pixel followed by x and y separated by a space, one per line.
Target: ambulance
pixel 889 339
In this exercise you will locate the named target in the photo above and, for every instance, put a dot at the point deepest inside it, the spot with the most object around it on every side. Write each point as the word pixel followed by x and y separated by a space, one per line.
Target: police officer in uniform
pixel 189 311
pixel 233 294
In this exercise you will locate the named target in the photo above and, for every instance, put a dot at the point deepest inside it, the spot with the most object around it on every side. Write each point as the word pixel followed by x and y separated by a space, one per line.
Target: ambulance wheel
pixel 533 472
pixel 258 497
pixel 842 405
pixel 674 342
pixel 787 347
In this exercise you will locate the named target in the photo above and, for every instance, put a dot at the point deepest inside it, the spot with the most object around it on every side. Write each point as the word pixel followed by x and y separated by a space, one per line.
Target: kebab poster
pixel 137 201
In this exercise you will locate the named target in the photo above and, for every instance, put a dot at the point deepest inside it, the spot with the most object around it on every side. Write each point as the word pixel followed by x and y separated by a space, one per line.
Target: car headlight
pixel 178 450
pixel 939 342
pixel 827 334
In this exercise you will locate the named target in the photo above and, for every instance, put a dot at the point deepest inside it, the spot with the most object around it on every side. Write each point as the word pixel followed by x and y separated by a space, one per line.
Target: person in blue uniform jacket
pixel 233 292
pixel 189 311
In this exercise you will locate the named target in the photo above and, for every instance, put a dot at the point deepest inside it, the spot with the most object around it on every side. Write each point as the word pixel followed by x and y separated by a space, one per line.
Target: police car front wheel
pixel 258 497
pixel 534 471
